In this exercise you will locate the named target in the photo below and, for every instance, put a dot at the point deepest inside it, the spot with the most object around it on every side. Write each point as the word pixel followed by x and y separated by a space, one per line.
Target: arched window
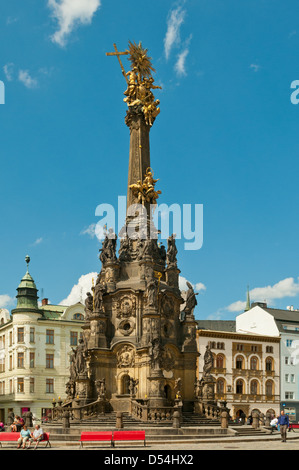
pixel 254 387
pixel 78 316
pixel 239 386
pixel 220 386
pixel 269 364
pixel 239 362
pixel 254 363
pixel 269 388
pixel 219 361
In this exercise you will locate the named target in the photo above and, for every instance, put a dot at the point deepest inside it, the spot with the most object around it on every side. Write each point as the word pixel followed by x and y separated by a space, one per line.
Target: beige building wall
pixel 246 369
pixel 34 369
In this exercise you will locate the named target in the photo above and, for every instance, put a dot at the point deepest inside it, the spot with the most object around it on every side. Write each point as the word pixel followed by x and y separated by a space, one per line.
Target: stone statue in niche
pixel 152 293
pixel 101 388
pixel 155 351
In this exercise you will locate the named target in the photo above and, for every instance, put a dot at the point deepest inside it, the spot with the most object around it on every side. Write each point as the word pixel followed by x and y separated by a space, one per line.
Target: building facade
pixel 246 367
pixel 35 346
pixel 261 319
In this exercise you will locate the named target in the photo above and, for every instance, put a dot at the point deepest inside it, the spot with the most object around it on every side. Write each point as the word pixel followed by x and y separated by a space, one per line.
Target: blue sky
pixel 226 137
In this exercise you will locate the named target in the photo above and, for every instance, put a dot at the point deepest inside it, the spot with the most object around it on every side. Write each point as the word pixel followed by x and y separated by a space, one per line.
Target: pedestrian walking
pixel 283 422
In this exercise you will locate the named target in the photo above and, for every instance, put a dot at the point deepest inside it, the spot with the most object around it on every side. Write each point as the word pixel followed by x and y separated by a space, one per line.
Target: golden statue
pixel 140 82
pixel 145 191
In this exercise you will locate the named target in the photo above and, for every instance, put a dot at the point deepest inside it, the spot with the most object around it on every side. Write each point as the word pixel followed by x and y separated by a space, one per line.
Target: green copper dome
pixel 27 292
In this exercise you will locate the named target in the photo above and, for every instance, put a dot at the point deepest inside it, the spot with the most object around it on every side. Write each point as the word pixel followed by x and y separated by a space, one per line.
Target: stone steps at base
pixel 249 431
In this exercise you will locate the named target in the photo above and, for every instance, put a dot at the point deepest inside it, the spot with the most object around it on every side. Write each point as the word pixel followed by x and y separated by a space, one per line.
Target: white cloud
pixel 236 306
pixel 175 20
pixel 285 288
pixel 79 290
pixel 8 70
pixel 26 79
pixel 90 230
pixel 180 66
pixel 95 230
pixel 38 241
pixel 5 300
pixel 11 19
pixel 200 286
pixel 69 14
pixel 183 285
pixel 255 67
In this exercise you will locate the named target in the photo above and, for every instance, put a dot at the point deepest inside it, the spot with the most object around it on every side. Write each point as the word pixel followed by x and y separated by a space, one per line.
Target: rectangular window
pixel 20 384
pixel 49 361
pixel 2 364
pixel 50 337
pixel 74 338
pixel 49 385
pixel 31 385
pixel 11 386
pixel 289 342
pixel 20 335
pixel 292 378
pixel 21 360
pixel 10 338
pixel 32 360
pixel 286 360
pixel 240 347
pixel 289 395
pixel 10 362
pixel 32 335
pixel 286 377
pixel 253 348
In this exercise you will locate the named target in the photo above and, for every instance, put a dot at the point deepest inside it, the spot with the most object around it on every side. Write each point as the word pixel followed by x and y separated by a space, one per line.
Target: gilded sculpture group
pixel 140 82
pixel 139 92
pixel 144 191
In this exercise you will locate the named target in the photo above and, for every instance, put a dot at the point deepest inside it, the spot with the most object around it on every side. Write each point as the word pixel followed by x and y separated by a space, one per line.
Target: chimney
pixel 45 301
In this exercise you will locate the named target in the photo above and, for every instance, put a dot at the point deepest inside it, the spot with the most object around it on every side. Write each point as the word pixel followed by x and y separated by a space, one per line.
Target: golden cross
pixel 117 54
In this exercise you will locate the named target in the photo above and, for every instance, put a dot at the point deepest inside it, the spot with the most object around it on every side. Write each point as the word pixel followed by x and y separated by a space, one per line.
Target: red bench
pixel 14 436
pixel 112 437
pixel 96 437
pixel 128 436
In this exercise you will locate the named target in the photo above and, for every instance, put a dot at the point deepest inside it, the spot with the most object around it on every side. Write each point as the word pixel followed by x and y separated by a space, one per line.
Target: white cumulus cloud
pixel 79 290
pixel 5 300
pixel 69 14
pixel 285 288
